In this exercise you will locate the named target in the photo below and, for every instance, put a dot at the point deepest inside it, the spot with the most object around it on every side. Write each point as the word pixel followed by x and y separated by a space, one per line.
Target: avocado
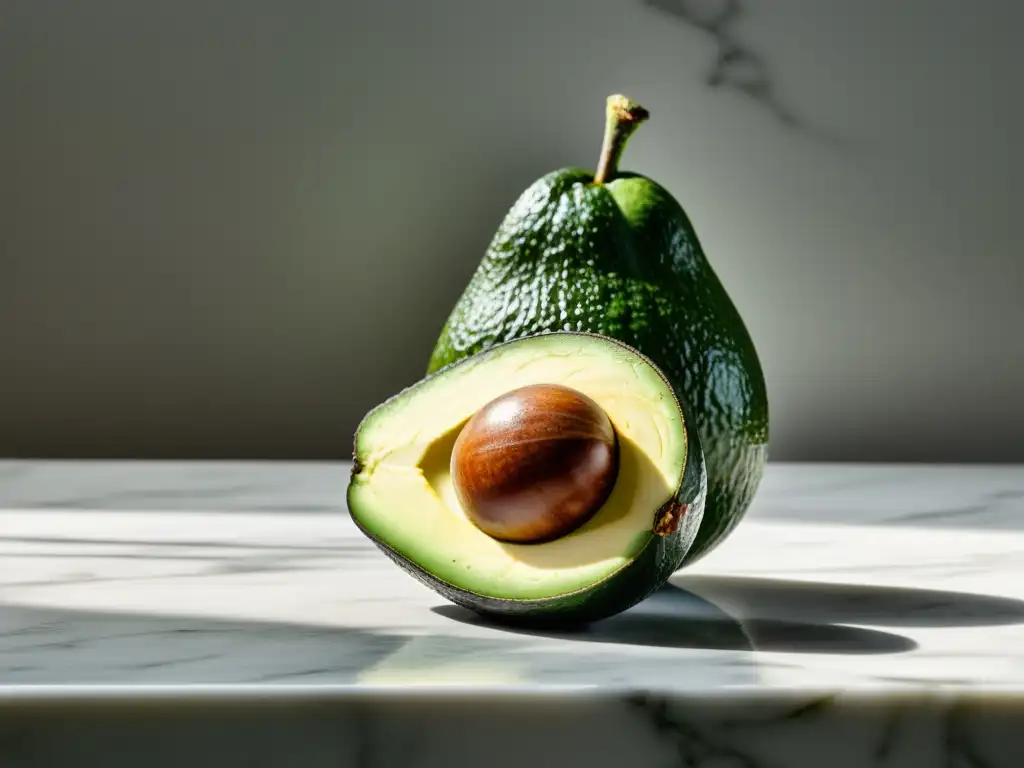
pixel 402 493
pixel 614 253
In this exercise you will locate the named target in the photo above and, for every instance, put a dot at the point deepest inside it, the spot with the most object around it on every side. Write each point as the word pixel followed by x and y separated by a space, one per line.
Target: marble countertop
pixel 215 574
pixel 230 614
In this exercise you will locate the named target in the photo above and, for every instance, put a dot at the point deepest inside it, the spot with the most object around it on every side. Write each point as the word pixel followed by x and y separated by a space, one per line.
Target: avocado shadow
pixel 828 603
pixel 677 618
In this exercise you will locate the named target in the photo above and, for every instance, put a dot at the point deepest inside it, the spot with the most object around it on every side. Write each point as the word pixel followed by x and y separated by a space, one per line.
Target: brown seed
pixel 535 464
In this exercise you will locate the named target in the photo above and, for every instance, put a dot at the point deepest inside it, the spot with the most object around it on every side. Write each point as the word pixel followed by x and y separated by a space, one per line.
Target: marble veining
pixel 170 485
pixel 443 729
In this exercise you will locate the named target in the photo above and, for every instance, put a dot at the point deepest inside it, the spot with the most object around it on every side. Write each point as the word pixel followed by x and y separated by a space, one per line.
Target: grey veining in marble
pixel 171 485
pixel 880 608
pixel 442 730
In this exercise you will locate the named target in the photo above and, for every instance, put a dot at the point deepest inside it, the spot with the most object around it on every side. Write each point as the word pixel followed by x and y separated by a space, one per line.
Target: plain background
pixel 229 229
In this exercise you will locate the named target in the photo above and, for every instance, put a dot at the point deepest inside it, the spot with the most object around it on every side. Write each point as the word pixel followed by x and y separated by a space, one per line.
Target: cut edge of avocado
pixel 400 494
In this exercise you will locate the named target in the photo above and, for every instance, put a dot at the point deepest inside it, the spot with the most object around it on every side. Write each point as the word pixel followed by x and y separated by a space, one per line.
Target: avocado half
pixel 401 494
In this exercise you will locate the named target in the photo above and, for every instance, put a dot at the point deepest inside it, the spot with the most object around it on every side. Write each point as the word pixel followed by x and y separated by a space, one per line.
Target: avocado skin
pixel 623 589
pixel 622 259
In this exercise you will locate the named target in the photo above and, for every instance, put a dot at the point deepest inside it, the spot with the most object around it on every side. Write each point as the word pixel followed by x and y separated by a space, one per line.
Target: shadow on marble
pixel 676 618
pixel 830 603
pixel 48 646
pixel 62 646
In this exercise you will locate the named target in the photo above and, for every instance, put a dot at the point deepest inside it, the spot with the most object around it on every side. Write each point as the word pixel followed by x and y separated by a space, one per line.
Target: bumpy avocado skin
pixel 622 259
pixel 621 590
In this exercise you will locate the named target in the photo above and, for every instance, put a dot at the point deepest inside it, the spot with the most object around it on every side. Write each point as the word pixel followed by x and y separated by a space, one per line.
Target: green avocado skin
pixel 622 259
pixel 648 572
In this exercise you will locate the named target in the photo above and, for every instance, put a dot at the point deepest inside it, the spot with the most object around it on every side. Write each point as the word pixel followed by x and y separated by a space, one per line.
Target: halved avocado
pixel 402 497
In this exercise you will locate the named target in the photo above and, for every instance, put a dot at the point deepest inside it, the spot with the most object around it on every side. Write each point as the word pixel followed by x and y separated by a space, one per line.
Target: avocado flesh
pixel 401 492
pixel 621 258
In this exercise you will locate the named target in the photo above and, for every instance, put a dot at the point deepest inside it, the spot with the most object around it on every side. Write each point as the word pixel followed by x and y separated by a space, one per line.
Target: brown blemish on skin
pixel 667 520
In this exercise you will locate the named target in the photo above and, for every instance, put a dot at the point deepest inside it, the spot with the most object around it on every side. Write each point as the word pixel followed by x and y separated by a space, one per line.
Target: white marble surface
pixel 885 599
pixel 247 573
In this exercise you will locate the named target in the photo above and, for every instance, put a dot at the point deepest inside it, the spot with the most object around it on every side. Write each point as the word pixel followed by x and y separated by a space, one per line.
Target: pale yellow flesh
pixel 404 494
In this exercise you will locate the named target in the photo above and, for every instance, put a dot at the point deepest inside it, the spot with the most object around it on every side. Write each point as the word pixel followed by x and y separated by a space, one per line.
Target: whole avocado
pixel 614 253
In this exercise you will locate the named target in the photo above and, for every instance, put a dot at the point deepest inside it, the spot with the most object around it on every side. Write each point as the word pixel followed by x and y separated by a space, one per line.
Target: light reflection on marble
pixel 846 586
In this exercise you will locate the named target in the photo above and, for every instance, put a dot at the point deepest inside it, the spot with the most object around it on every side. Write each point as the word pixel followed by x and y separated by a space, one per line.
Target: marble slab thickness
pixel 885 599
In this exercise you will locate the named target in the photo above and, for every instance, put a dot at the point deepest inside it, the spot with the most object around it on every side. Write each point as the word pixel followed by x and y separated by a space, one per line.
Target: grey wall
pixel 229 229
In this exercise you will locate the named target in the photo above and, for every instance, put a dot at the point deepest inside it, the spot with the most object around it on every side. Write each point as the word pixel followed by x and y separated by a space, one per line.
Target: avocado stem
pixel 623 116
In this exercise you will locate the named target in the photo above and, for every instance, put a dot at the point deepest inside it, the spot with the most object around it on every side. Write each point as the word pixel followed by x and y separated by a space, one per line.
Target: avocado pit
pixel 535 464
